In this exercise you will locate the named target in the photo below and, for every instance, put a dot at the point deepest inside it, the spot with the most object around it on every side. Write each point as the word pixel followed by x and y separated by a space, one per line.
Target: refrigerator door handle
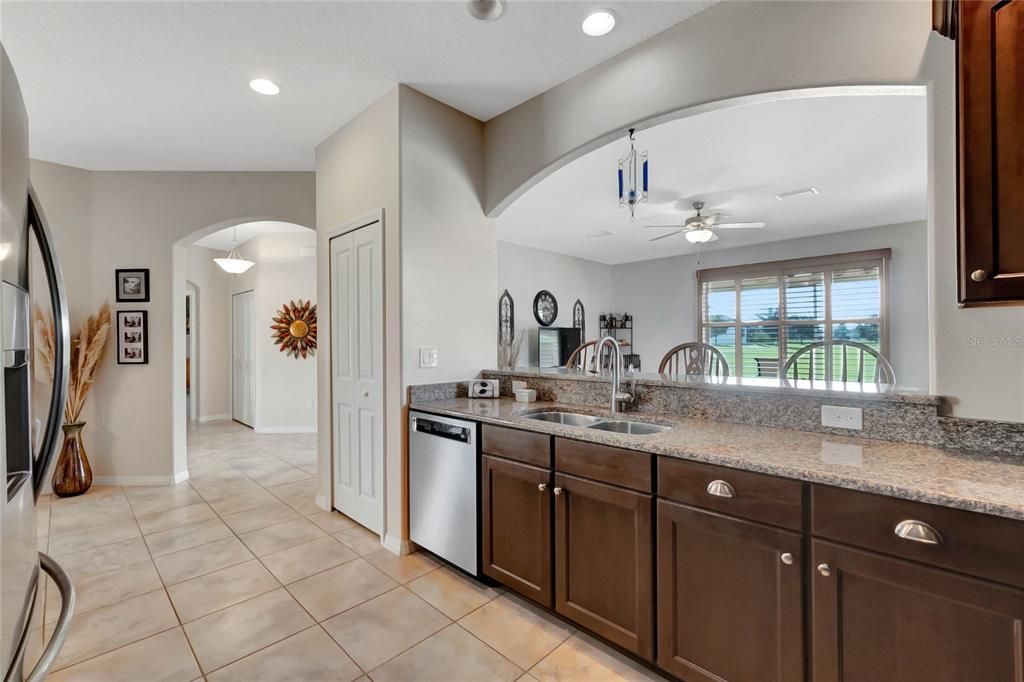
pixel 60 631
pixel 61 338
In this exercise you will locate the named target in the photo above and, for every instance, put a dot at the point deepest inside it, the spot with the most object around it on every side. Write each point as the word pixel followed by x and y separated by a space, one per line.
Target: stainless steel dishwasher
pixel 444 488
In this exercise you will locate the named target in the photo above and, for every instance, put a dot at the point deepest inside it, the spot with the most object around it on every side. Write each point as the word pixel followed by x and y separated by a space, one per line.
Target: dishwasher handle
pixel 433 427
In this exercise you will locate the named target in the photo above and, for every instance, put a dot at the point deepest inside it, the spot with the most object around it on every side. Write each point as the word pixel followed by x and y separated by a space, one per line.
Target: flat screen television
pixel 556 344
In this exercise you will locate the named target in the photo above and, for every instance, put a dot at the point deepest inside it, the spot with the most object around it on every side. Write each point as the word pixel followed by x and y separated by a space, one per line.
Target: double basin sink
pixel 624 426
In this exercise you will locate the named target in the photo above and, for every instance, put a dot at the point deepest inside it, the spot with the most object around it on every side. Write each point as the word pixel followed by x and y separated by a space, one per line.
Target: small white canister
pixel 526 395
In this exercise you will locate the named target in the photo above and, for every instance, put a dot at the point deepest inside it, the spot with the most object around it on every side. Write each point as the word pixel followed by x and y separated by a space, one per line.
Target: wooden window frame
pixel 780 269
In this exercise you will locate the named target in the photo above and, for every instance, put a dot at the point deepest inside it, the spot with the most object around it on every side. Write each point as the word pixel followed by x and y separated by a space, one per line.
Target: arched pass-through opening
pixel 182 286
pixel 664 117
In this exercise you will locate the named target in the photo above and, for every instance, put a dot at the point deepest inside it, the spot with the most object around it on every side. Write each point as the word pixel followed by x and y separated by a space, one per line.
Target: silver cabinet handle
pixel 60 631
pixel 918 531
pixel 542 487
pixel 786 558
pixel 557 491
pixel 825 570
pixel 720 488
pixel 979 275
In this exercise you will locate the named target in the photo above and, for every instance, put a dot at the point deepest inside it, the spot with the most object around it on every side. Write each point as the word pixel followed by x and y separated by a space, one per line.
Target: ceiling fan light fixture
pixel 699 236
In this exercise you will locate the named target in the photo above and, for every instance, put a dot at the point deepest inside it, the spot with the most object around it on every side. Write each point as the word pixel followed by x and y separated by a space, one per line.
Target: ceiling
pixel 867 156
pixel 222 239
pixel 164 85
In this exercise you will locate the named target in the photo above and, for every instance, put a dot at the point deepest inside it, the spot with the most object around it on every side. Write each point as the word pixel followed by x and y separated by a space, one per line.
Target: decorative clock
pixel 295 328
pixel 545 307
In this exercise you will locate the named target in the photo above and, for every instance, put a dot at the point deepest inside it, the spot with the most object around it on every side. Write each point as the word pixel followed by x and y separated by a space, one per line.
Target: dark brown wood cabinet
pixel 604 561
pixel 516 526
pixel 730 598
pixel 990 99
pixel 881 619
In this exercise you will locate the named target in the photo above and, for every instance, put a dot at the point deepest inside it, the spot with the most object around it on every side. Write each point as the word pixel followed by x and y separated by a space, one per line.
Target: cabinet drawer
pixel 778 501
pixel 619 467
pixel 522 446
pixel 977 544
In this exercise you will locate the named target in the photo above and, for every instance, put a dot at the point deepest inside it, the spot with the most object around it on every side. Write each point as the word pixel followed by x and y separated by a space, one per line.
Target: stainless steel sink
pixel 630 428
pixel 567 418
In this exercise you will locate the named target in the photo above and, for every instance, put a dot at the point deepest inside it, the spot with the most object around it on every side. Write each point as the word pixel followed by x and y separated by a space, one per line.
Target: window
pixel 759 315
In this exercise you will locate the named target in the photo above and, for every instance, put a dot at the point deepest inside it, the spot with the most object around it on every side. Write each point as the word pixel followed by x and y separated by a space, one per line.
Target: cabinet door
pixel 730 600
pixel 603 561
pixel 990 97
pixel 516 520
pixel 878 619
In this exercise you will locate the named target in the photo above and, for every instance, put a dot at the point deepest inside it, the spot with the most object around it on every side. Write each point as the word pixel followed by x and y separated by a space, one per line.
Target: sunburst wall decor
pixel 295 328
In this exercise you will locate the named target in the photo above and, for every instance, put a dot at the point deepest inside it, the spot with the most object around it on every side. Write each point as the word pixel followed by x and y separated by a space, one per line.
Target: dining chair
pixel 694 358
pixel 839 360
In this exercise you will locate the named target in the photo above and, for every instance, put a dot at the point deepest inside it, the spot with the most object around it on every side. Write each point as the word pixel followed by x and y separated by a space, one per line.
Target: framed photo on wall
pixel 132 285
pixel 132 337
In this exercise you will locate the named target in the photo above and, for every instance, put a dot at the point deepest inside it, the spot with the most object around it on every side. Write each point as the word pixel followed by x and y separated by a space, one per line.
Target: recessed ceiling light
pixel 486 10
pixel 599 23
pixel 264 86
pixel 797 193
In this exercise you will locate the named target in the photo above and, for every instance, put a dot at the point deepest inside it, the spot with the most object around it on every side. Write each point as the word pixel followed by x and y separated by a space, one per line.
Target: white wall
pixel 285 387
pixel 107 220
pixel 662 296
pixel 524 271
pixel 212 367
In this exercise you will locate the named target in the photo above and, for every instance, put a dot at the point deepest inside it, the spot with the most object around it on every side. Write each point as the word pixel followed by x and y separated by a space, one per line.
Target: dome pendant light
pixel 234 264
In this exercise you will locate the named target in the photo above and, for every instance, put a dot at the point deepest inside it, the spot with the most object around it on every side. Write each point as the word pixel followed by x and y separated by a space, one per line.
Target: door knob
pixel 557 491
pixel 542 487
pixel 825 570
pixel 786 558
pixel 979 275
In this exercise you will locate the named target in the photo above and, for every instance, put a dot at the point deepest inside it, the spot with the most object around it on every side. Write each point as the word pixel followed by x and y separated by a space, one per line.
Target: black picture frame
pixel 132 337
pixel 125 281
pixel 545 300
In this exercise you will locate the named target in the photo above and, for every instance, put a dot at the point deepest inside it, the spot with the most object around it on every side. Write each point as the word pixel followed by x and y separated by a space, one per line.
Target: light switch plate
pixel 428 357
pixel 842 417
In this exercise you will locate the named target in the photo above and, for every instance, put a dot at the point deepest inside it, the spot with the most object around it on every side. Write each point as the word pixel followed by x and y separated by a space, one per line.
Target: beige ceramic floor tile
pixel 332 521
pixel 281 536
pixel 402 568
pixel 104 589
pixel 106 558
pixel 521 633
pixel 197 561
pixel 306 559
pixel 452 593
pixel 166 657
pixel 226 636
pixel 117 531
pixel 146 500
pixel 280 477
pixel 361 541
pixel 374 632
pixel 270 515
pixel 340 588
pixel 452 654
pixel 89 514
pixel 583 658
pixel 309 656
pixel 233 504
pixel 194 535
pixel 95 492
pixel 110 627
pixel 175 518
pixel 214 591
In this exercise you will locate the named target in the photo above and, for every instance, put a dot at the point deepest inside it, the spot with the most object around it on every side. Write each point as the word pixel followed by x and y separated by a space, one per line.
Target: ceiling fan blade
pixel 738 226
pixel 713 218
pixel 670 234
pixel 664 227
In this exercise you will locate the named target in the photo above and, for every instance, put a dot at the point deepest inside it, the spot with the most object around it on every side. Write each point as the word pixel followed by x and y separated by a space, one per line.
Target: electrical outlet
pixel 842 417
pixel 428 357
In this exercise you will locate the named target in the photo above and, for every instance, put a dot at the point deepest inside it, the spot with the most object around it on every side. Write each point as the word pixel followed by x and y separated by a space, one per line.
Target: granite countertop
pixel 990 484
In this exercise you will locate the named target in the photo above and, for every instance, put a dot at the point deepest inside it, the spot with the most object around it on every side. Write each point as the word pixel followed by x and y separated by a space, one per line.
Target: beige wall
pixel 136 431
pixel 213 361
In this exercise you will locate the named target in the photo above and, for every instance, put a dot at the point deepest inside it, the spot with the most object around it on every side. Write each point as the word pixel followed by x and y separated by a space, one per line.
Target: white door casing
pixel 357 368
pixel 243 314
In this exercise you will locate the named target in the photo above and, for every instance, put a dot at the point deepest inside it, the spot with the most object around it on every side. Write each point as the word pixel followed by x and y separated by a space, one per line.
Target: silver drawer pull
pixel 720 488
pixel 542 487
pixel 825 570
pixel 918 531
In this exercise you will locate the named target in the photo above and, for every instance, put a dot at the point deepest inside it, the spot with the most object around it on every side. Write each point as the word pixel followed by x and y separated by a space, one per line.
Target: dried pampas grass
pixel 88 345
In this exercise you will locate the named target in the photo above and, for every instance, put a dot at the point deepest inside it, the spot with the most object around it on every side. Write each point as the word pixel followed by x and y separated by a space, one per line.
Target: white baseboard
pixel 181 476
pixel 139 480
pixel 285 429
pixel 213 418
pixel 321 502
pixel 399 547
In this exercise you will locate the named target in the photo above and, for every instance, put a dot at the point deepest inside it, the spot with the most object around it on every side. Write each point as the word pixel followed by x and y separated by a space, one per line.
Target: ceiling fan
pixel 699 229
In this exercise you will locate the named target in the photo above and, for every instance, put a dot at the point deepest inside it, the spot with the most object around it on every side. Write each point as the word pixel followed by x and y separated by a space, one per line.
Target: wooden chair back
pixel 584 358
pixel 694 358
pixel 839 360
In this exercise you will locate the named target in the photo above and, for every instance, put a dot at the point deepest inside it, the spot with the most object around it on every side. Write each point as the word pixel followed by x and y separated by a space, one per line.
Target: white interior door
pixel 243 319
pixel 357 364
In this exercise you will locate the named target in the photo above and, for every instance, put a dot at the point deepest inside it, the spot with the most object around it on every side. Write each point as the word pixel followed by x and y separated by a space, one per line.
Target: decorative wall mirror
pixel 506 318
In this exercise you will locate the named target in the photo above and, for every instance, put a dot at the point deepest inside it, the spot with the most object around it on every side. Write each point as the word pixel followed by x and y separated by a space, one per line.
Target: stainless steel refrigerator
pixel 32 401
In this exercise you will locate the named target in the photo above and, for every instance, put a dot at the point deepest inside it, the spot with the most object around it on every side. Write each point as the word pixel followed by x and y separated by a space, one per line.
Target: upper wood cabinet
pixel 990 122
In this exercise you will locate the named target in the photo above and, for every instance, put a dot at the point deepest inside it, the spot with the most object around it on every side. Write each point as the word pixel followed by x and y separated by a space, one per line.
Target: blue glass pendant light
pixel 632 177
